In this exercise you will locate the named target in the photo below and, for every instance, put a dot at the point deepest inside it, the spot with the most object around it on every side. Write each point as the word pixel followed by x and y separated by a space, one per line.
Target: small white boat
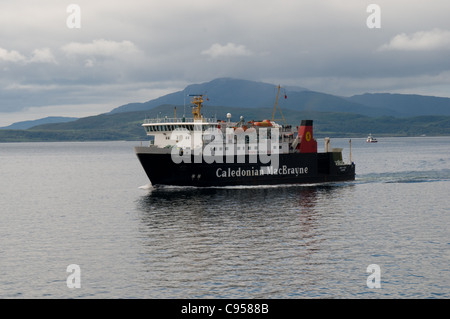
pixel 371 139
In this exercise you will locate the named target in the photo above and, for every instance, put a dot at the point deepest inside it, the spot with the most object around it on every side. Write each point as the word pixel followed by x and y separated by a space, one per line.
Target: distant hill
pixel 24 125
pixel 405 105
pixel 220 92
pixel 229 92
pixel 128 126
pixel 381 114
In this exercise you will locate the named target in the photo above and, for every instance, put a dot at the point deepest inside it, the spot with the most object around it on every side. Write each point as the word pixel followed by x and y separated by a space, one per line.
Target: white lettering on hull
pixel 265 170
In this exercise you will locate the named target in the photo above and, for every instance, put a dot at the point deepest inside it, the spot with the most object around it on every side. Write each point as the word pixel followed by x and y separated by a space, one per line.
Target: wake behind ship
pixel 205 152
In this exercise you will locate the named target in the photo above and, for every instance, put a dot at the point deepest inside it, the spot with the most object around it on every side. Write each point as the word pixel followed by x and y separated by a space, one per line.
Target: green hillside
pixel 379 114
pixel 127 126
pixel 254 95
pixel 250 94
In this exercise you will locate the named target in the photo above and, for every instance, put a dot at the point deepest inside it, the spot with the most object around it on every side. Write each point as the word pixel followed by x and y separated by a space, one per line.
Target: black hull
pixel 293 168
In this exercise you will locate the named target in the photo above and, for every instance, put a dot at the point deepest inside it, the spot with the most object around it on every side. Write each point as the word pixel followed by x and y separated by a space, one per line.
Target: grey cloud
pixel 124 47
pixel 432 40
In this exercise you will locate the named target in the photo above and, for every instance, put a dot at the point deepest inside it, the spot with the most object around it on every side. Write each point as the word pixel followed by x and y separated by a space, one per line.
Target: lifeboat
pixel 265 123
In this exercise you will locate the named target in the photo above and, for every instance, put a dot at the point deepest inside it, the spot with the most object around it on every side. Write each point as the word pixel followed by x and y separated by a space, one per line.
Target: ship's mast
pixel 276 105
pixel 196 111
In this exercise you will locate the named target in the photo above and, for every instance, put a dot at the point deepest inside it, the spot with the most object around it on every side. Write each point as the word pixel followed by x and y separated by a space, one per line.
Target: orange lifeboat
pixel 265 123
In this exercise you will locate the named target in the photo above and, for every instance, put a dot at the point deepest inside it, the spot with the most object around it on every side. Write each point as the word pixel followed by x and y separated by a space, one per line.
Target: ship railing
pixel 178 120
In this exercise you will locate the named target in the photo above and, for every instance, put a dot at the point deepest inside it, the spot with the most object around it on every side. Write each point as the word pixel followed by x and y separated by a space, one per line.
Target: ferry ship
pixel 205 152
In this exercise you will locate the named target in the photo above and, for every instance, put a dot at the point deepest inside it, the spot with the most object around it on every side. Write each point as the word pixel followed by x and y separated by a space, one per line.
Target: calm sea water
pixel 90 204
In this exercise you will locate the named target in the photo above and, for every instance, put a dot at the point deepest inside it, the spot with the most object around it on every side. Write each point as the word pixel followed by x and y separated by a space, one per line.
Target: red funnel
pixel 307 142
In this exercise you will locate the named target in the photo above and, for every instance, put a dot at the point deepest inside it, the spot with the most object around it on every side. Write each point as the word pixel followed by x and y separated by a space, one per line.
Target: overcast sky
pixel 138 50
